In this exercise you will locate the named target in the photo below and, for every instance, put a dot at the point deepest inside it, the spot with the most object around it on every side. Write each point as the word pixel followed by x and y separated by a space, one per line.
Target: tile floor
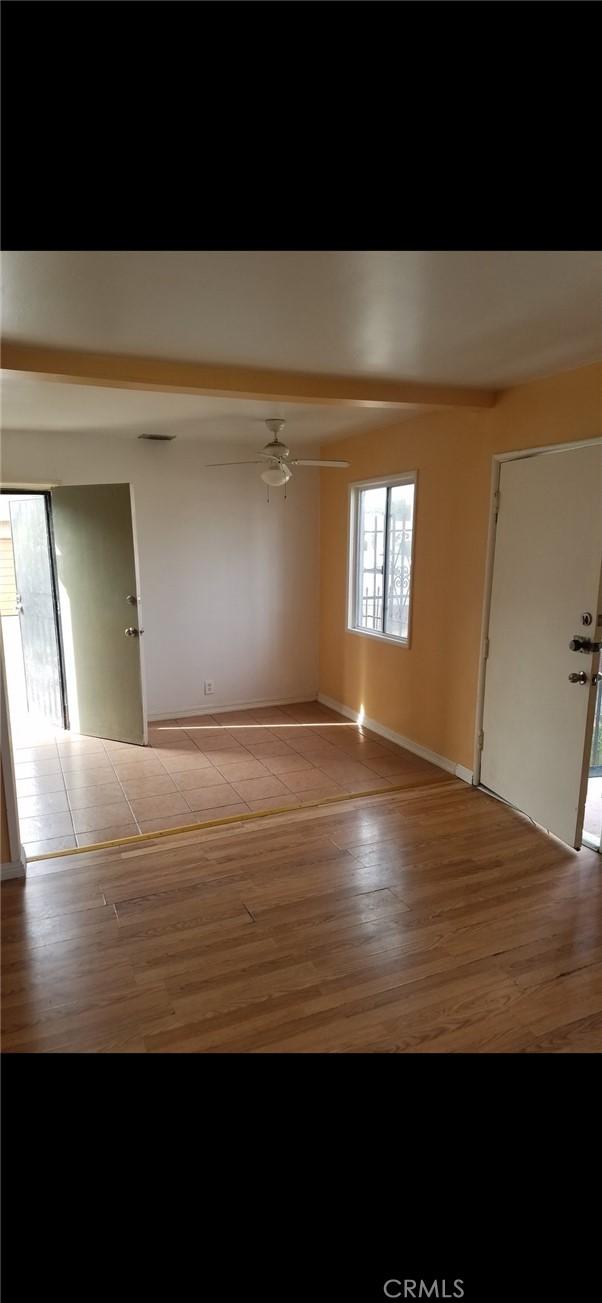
pixel 74 791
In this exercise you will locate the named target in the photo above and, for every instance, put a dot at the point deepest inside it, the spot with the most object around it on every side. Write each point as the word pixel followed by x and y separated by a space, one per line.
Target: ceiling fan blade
pixel 307 461
pixel 212 464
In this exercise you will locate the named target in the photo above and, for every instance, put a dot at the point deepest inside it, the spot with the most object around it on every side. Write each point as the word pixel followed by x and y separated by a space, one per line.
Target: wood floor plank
pixel 91 1028
pixel 583 1036
pixel 430 920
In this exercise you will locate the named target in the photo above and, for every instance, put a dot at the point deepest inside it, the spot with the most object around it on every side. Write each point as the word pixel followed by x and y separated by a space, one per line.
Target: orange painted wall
pixel 427 692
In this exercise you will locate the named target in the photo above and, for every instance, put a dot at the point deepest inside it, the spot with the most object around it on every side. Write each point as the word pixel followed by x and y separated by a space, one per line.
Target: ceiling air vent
pixel 158 438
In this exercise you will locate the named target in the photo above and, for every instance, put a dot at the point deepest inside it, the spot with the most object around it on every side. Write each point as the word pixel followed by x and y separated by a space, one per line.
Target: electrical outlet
pixel 208 687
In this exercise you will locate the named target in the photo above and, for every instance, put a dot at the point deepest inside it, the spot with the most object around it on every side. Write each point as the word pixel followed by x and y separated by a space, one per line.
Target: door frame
pixel 56 606
pixel 496 467
pixel 16 865
pixel 140 611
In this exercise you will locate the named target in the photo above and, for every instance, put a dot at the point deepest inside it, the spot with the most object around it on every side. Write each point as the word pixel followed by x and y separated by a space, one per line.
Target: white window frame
pixel 379 482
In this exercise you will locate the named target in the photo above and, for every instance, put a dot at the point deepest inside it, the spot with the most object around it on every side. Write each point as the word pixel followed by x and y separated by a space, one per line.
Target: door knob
pixel 131 633
pixel 578 678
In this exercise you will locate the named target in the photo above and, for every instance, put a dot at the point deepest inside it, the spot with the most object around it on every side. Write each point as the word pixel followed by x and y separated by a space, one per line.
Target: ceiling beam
pixel 117 371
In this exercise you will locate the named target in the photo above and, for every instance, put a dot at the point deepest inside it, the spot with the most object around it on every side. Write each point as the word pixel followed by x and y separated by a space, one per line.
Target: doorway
pixel 71 644
pixel 592 824
pixel 29 613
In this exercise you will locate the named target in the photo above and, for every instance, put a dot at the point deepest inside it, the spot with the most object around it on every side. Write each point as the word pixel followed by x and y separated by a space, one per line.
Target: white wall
pixel 229 584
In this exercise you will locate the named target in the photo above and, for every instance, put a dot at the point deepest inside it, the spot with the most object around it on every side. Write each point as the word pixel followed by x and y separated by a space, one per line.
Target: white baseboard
pixel 415 747
pixel 14 868
pixel 232 705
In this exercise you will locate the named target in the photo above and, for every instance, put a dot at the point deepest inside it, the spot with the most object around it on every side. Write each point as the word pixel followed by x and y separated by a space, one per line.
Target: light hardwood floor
pixel 434 919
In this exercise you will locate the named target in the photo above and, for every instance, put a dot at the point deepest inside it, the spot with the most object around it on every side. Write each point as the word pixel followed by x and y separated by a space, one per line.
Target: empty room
pixel 301 623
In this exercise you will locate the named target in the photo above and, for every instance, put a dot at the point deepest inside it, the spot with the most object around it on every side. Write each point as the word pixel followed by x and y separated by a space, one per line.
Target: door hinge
pixel 481 739
pixel 496 503
pixel 486 649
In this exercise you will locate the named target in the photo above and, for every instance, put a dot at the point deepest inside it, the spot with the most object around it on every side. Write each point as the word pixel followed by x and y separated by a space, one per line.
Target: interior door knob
pixel 578 678
pixel 131 632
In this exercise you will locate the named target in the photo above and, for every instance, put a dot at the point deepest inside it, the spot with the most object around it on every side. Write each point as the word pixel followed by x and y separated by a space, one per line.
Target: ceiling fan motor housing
pixel 275 448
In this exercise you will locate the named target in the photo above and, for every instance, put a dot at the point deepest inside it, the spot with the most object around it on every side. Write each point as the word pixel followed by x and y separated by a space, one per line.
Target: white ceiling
pixel 29 404
pixel 482 318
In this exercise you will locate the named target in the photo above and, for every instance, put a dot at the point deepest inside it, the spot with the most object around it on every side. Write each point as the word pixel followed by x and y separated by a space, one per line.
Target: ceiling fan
pixel 277 461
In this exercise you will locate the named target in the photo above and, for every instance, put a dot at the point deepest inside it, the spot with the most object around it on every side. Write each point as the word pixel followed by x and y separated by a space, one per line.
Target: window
pixel 380 570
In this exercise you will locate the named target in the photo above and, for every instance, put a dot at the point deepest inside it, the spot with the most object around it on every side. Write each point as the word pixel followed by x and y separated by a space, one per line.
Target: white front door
pixel 539 693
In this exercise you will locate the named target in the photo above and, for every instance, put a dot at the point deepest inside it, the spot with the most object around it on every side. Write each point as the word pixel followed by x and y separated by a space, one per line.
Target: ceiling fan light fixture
pixel 276 476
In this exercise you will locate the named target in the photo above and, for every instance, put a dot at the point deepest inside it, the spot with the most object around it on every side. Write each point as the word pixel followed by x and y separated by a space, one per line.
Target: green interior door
pixel 99 610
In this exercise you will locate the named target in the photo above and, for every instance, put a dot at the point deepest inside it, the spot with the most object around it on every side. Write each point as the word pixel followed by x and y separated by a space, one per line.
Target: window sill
pixel 379 637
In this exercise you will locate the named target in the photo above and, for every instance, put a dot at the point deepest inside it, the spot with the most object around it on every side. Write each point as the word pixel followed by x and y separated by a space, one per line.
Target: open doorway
pixel 70 611
pixel 29 614
pixel 592 824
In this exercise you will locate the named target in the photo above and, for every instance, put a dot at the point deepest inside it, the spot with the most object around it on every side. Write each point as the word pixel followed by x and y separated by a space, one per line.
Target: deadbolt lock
pixel 131 633
pixel 585 645
pixel 587 617
pixel 578 678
